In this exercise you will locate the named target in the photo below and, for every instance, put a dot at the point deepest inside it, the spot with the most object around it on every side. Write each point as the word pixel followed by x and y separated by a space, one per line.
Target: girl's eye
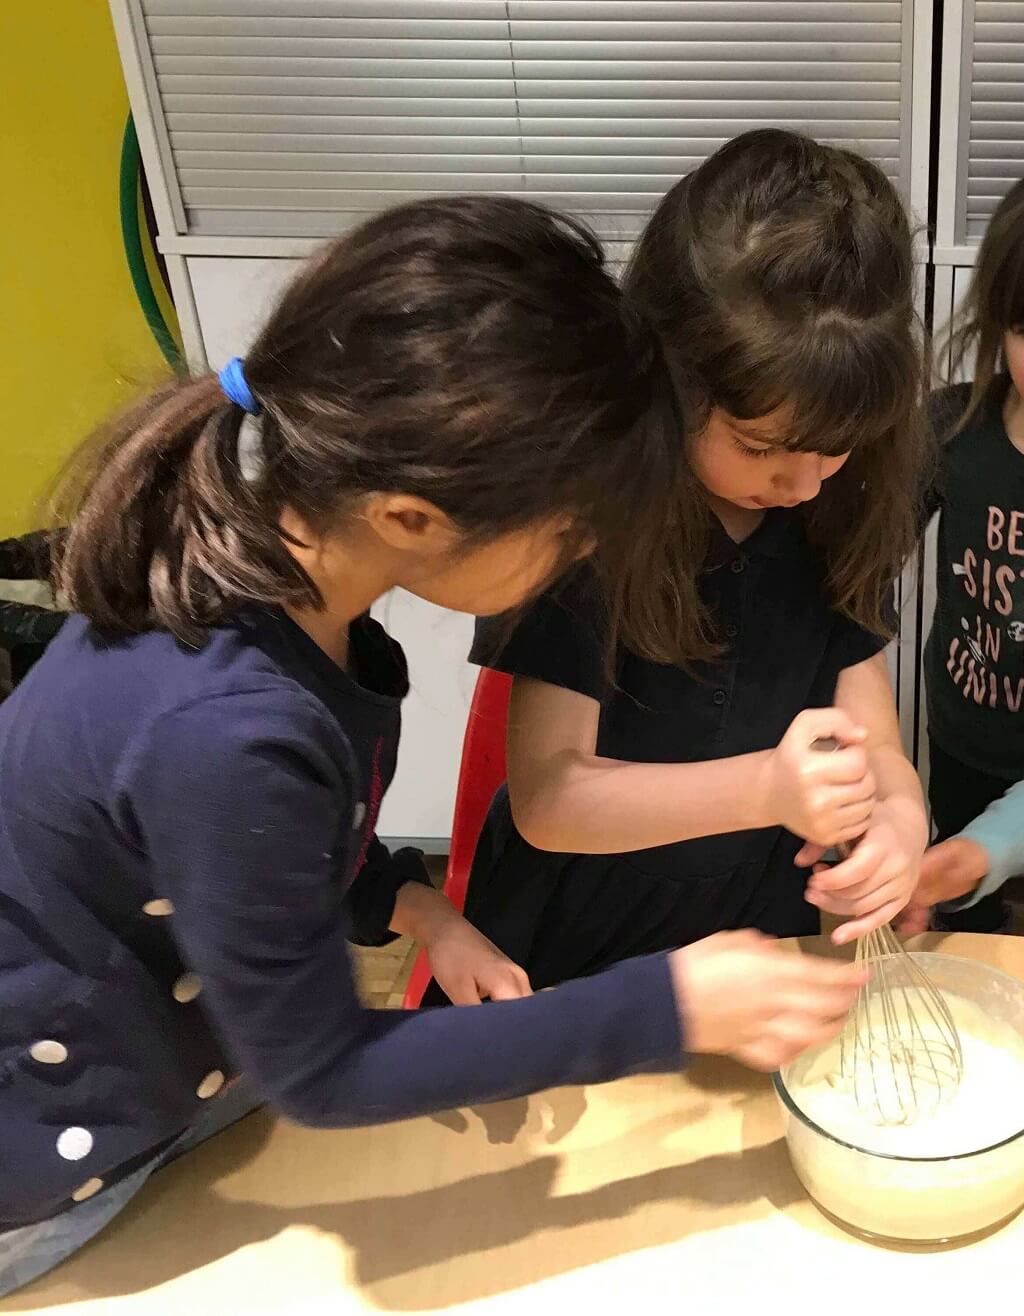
pixel 748 451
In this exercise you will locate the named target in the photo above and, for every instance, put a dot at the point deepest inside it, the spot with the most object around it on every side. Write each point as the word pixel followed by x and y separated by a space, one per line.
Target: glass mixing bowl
pixel 915 1199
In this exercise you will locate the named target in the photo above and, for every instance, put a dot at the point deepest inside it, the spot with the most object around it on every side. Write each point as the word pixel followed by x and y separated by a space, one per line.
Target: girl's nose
pixel 801 480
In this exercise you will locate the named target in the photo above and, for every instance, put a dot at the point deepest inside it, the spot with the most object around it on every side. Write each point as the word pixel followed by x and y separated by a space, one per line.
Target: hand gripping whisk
pixel 900 1052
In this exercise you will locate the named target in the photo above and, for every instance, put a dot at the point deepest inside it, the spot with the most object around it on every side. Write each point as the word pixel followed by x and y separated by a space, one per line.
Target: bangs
pixel 840 387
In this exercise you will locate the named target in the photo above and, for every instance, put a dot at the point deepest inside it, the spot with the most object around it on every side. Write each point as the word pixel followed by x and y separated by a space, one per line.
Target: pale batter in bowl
pixel 954 1172
pixel 986 1108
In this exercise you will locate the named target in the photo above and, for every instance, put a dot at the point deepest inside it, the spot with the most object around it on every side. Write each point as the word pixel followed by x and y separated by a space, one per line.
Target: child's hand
pixel 825 798
pixel 469 968
pixel 949 870
pixel 878 879
pixel 741 995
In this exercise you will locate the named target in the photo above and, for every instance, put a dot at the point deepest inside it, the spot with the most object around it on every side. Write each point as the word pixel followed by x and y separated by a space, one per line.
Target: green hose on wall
pixel 131 166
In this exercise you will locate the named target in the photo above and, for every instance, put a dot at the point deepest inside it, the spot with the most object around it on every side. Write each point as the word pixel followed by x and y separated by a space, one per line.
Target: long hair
pixel 472 351
pixel 780 273
pixel 994 303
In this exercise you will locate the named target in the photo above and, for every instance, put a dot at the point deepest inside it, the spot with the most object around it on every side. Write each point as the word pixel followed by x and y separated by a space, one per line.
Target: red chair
pixel 481 773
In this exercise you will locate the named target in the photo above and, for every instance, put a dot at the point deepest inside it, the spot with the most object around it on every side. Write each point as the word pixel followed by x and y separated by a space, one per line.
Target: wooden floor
pixel 384 971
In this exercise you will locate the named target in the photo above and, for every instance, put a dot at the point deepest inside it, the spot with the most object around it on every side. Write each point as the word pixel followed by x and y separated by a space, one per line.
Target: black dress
pixel 562 916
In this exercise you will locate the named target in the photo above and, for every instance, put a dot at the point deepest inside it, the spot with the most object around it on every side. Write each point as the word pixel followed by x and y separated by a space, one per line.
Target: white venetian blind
pixel 994 72
pixel 297 117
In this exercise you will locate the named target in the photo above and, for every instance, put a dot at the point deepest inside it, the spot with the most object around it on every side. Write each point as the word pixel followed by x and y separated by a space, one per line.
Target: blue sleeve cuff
pixel 1000 832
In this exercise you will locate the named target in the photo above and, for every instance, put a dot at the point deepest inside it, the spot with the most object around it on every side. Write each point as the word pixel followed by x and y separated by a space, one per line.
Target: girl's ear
pixel 408 524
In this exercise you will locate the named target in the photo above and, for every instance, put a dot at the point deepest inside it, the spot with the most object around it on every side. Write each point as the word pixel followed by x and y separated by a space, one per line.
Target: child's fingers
pixel 841 808
pixel 914 920
pixel 818 973
pixel 463 991
pixel 888 881
pixel 820 1005
pixel 506 991
pixel 861 906
pixel 848 932
pixel 883 876
pixel 853 798
pixel 807 1034
pixel 859 867
pixel 802 1030
pixel 817 724
pixel 847 768
pixel 858 812
pixel 503 981
pixel 786 1039
pixel 808 855
pixel 509 983
pixel 850 833
pixel 523 981
pixel 935 863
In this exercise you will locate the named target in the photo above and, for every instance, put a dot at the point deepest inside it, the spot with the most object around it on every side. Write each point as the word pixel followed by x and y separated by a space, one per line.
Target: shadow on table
pixel 504 1121
pixel 487 1224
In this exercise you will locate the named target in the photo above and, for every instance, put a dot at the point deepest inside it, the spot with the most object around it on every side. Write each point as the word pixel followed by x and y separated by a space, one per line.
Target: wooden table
pixel 646 1196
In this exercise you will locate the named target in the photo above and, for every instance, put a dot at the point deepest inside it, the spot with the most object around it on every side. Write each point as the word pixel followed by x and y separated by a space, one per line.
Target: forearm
pixel 865 693
pixel 899 788
pixel 581 804
pixel 352 1066
pixel 1000 833
pixel 419 911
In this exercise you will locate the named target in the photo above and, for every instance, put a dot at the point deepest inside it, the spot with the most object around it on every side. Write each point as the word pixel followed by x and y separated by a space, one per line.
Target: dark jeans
pixel 31 1251
pixel 958 794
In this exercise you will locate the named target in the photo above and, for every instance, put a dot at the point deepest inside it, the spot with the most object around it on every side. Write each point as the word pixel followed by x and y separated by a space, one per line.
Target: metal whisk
pixel 900 1051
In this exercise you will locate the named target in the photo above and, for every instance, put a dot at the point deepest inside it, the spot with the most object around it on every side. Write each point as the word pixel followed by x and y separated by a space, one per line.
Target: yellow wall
pixel 74 343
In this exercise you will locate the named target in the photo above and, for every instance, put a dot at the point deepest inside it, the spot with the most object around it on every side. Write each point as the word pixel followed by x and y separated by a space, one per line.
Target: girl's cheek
pixel 833 464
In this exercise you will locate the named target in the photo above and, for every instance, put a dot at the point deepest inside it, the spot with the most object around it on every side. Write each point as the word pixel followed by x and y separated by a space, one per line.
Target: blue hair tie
pixel 236 388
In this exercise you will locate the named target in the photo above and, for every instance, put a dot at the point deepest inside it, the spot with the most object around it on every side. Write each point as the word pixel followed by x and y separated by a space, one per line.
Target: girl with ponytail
pixel 453 399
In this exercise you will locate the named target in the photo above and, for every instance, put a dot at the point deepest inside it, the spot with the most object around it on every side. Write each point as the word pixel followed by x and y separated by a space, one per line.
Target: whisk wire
pixel 898 1069
pixel 900 1052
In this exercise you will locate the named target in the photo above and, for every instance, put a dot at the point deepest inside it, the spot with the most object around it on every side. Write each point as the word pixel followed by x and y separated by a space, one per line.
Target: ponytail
pixel 165 530
pixel 469 351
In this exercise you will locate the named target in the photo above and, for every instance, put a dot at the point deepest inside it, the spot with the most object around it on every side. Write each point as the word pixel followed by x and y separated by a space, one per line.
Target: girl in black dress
pixel 673 789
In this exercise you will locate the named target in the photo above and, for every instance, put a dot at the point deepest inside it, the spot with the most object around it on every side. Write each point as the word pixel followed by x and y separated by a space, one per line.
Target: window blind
pixel 298 117
pixel 992 111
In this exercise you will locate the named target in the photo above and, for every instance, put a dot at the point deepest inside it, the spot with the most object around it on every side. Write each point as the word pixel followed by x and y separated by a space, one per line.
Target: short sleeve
pixel 560 638
pixel 857 644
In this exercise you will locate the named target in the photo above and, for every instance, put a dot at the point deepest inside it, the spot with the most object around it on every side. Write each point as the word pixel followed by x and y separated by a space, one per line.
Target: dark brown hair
pixel 472 351
pixel 994 302
pixel 780 273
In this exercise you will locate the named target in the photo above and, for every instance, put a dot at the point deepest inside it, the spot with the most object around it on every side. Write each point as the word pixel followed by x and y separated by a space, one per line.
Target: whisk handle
pixel 829 745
